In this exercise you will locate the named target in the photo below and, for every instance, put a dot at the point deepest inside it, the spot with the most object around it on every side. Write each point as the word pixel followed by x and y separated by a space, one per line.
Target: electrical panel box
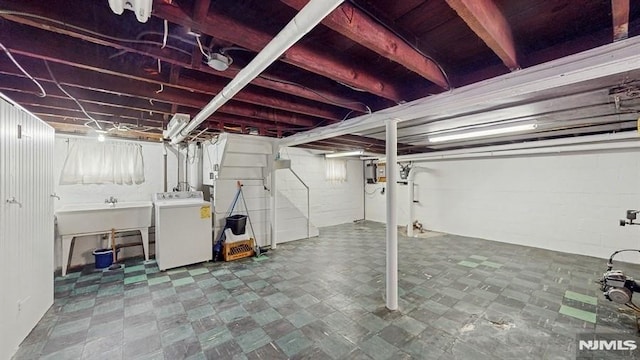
pixel 381 172
pixel 375 172
pixel 371 173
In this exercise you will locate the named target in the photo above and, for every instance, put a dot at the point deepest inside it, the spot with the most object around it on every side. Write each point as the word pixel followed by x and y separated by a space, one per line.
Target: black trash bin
pixel 237 224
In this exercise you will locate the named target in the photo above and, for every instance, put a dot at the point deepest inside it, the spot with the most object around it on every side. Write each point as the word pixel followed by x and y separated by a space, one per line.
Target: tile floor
pixel 461 298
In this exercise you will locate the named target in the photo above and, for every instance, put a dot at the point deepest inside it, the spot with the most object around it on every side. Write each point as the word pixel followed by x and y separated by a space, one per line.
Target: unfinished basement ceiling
pixel 366 56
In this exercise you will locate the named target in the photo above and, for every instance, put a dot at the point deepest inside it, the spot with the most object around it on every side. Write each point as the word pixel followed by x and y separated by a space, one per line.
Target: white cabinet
pixel 26 224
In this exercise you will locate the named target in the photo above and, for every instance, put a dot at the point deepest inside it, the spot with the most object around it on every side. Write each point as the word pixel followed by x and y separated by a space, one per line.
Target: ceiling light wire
pixel 396 33
pixel 160 72
pixel 166 34
pixel 200 46
pixel 164 44
pixel 15 62
pixel 224 50
pixel 87 31
pixel 176 37
pixel 352 87
pixel 134 41
pixel 46 64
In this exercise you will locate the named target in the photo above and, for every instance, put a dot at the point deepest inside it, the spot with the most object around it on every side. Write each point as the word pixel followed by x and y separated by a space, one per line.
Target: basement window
pixel 91 162
pixel 336 170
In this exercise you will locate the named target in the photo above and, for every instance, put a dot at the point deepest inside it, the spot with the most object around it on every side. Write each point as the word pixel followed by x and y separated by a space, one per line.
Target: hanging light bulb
pixel 101 137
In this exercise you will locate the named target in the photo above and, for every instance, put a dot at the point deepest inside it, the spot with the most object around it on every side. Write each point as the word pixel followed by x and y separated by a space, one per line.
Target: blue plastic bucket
pixel 104 258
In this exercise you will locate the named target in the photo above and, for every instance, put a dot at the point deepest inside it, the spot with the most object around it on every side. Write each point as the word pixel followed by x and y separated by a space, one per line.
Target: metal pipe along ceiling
pixel 302 23
pixel 572 73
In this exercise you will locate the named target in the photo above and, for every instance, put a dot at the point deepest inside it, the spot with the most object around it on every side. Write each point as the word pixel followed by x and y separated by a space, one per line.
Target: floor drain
pixel 501 324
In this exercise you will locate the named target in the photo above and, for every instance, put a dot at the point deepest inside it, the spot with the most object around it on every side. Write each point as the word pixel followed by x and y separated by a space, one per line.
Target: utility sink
pixel 99 218
pixel 102 217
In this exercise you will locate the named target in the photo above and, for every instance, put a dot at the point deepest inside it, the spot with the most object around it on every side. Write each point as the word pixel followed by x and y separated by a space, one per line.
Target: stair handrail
pixel 308 202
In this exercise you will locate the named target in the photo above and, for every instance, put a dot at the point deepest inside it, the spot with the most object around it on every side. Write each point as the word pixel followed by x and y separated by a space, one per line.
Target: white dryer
pixel 183 229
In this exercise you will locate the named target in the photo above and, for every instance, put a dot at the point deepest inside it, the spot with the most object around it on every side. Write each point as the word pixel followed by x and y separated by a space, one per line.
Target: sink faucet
pixel 111 201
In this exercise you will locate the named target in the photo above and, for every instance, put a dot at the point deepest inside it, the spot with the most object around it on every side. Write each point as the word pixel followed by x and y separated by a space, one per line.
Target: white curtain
pixel 92 162
pixel 336 170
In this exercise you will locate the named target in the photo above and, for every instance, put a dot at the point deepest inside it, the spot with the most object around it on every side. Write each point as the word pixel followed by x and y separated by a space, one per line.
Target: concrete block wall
pixel 563 202
pixel 332 203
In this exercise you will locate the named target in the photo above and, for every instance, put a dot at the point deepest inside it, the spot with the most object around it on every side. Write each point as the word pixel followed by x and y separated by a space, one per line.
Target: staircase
pixel 246 159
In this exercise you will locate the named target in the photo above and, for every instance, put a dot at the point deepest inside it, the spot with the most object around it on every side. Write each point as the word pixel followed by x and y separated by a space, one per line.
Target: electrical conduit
pixel 410 182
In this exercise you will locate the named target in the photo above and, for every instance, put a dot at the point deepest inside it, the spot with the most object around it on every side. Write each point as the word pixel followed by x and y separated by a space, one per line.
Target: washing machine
pixel 183 229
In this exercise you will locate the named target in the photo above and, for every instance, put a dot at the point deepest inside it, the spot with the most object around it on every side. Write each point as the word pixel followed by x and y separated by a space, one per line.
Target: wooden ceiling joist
pixel 76 116
pixel 200 9
pixel 61 126
pixel 357 26
pixel 311 59
pixel 620 14
pixel 319 94
pixel 14 80
pixel 488 22
pixel 95 63
pixel 65 104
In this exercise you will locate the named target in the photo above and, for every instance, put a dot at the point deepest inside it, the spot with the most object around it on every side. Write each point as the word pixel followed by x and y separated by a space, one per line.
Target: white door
pixel 26 223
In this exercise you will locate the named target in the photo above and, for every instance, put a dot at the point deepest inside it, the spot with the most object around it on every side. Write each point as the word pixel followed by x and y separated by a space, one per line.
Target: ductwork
pixel 561 77
pixel 302 23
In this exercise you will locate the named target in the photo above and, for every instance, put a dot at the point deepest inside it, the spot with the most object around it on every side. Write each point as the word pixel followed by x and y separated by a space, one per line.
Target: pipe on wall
pixel 164 162
pixel 533 151
pixel 596 140
pixel 619 145
pixel 274 198
pixel 411 182
pixel 194 166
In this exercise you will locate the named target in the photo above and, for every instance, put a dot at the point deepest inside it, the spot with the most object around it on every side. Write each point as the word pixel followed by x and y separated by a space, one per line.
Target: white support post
pixel 392 216
pixel 274 201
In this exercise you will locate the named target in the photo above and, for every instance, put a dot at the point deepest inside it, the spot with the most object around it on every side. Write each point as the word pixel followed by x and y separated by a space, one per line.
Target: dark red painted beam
pixel 110 112
pixel 119 86
pixel 14 83
pixel 76 117
pixel 69 53
pixel 620 13
pixel 359 27
pixel 488 22
pixel 312 92
pixel 311 59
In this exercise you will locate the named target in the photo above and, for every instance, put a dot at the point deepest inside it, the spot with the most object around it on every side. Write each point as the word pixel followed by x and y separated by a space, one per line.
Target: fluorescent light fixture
pixel 481 133
pixel 343 154
pixel 177 123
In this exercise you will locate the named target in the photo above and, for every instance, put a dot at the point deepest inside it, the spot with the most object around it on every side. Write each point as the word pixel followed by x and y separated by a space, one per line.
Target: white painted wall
pixel 241 158
pixel 376 206
pixel 247 158
pixel 332 203
pixel 565 202
pixel 26 227
pixel 92 193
